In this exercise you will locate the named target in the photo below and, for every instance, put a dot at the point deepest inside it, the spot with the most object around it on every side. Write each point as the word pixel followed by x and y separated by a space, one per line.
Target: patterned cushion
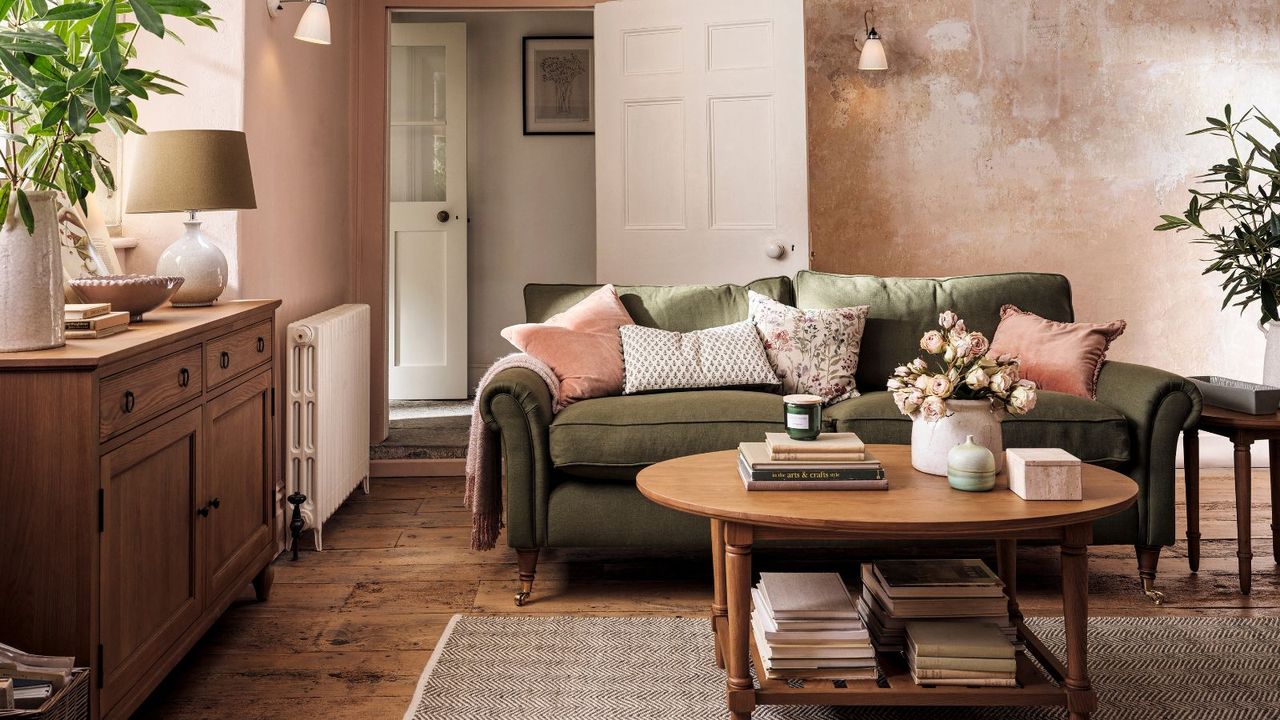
pixel 813 352
pixel 729 356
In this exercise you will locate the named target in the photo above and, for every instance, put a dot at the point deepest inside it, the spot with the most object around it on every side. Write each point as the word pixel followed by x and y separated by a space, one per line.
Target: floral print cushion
pixel 813 352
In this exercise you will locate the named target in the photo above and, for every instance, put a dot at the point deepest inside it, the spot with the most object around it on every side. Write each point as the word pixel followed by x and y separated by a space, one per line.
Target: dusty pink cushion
pixel 1056 356
pixel 581 345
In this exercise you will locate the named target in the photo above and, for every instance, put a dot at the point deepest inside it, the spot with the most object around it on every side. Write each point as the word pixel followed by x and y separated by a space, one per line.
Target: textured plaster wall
pixel 1040 135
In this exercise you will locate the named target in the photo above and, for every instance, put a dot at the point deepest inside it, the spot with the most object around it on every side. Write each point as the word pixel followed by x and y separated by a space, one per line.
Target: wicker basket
pixel 69 703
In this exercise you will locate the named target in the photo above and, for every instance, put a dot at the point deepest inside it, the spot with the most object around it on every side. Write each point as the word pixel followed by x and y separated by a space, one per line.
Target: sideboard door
pixel 238 430
pixel 150 589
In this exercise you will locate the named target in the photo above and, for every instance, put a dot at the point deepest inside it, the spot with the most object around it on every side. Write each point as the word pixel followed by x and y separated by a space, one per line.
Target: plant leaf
pixel 17 68
pixel 102 95
pixel 73 11
pixel 148 18
pixel 24 208
pixel 104 28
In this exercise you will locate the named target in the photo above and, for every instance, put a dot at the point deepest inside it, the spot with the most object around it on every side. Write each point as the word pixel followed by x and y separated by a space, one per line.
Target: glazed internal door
pixel 701 144
pixel 151 587
pixel 238 483
pixel 427 217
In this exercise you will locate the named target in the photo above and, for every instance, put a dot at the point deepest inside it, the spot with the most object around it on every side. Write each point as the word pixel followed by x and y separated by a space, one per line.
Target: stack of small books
pixel 27 680
pixel 835 461
pixel 970 654
pixel 93 321
pixel 806 627
pixel 895 592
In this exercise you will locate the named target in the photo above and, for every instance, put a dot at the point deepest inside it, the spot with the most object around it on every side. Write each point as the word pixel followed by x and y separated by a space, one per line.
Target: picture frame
pixel 559 85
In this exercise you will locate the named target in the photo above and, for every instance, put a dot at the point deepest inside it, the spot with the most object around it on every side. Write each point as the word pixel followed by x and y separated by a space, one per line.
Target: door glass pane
pixel 418 131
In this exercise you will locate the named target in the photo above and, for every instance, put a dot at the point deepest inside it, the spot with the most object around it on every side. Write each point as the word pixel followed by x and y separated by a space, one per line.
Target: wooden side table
pixel 1242 430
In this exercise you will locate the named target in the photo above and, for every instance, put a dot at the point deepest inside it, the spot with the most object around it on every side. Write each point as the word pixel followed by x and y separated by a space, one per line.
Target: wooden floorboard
pixel 347 631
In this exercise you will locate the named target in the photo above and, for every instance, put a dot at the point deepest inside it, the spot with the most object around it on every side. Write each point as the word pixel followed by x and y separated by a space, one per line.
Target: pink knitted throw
pixel 484 466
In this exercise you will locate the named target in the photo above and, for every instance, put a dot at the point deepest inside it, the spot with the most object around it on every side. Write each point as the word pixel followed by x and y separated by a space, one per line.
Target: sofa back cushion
pixel 682 308
pixel 903 309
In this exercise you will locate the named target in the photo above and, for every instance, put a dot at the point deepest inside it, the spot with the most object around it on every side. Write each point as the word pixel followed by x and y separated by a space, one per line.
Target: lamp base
pixel 200 263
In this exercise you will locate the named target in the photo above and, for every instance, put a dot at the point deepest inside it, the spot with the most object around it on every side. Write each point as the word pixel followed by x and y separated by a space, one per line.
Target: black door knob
pixel 443 216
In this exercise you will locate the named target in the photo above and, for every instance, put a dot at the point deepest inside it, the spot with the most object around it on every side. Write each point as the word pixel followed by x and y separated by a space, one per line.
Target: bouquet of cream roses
pixel 959 369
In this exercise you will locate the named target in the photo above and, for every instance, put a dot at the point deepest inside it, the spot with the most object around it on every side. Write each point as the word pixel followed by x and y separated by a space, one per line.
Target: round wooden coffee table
pixel 916 507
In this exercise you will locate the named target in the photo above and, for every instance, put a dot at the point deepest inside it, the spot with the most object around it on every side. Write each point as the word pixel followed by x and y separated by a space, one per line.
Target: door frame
pixel 370 278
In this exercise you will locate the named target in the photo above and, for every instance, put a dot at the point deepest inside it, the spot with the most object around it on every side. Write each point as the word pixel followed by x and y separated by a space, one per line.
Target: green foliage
pixel 64 77
pixel 1245 190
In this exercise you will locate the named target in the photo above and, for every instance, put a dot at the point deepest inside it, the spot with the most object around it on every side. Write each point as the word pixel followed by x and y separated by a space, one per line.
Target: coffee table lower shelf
pixel 1036 688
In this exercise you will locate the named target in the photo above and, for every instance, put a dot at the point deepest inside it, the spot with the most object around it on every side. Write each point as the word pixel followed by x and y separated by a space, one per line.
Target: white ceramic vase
pixel 1271 361
pixel 31 294
pixel 932 441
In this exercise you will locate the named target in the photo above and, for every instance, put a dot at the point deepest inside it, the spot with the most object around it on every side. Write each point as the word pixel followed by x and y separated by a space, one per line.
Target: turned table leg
pixel 1081 700
pixel 1191 470
pixel 1007 562
pixel 1244 501
pixel 1274 447
pixel 719 608
pixel 740 690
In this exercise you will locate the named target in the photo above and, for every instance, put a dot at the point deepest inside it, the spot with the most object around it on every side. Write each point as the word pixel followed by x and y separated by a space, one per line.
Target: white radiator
pixel 328 412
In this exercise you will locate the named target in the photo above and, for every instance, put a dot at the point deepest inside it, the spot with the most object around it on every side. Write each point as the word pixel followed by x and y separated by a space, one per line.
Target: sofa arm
pixel 517 405
pixel 1159 405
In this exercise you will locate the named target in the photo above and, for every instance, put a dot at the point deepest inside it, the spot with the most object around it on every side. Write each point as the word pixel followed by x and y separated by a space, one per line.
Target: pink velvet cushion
pixel 1056 356
pixel 581 345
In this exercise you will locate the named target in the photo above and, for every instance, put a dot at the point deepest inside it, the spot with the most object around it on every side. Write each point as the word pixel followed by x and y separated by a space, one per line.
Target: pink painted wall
pixel 297 101
pixel 1040 135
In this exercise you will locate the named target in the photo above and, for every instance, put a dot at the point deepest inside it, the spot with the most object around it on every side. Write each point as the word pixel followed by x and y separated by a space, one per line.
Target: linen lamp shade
pixel 190 170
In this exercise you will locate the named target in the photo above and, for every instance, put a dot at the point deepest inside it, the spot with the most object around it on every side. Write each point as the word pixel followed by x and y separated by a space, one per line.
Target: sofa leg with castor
pixel 1148 559
pixel 528 562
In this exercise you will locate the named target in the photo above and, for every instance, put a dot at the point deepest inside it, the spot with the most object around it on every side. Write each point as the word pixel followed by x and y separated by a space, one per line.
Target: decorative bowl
pixel 134 294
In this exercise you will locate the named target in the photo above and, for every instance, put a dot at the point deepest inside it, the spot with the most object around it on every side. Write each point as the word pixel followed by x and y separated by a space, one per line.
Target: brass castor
pixel 528 561
pixel 521 598
pixel 1148 559
pixel 1155 596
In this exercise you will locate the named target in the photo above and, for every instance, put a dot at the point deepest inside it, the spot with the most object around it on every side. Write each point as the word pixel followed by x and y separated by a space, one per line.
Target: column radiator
pixel 327 419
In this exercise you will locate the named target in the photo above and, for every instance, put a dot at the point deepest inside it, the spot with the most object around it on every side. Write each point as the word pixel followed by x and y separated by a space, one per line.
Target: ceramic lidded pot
pixel 803 416
pixel 971 467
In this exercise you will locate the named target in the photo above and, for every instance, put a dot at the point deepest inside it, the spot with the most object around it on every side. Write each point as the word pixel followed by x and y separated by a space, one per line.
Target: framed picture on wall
pixel 559 86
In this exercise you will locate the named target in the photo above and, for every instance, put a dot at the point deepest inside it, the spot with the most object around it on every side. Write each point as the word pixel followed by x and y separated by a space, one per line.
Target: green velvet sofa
pixel 570 477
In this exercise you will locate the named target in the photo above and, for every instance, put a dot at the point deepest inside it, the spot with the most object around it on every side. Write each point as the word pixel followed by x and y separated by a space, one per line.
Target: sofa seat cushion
pixel 614 438
pixel 1091 431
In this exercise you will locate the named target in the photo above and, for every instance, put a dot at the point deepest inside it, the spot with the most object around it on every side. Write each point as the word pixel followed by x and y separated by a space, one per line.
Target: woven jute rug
pixel 559 668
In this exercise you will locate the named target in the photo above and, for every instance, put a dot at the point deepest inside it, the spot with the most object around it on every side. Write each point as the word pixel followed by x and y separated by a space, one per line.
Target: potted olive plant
pixel 64 77
pixel 1237 215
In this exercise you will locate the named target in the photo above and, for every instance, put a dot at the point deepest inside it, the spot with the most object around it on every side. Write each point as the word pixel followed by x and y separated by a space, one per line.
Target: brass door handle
pixel 444 216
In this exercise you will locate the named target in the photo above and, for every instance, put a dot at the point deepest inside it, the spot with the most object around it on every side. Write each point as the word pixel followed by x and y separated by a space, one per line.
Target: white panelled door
pixel 427 218
pixel 701 143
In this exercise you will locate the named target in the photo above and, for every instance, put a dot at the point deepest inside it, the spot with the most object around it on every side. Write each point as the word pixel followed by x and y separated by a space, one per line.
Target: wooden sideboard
pixel 136 491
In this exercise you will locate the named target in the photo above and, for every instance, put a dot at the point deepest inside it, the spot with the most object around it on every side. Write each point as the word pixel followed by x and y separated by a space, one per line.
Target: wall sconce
pixel 873 57
pixel 314 25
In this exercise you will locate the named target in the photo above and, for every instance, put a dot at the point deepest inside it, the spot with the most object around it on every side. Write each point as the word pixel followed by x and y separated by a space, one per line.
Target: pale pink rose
pixel 940 386
pixel 901 371
pixel 977 379
pixel 959 328
pixel 913 401
pixel 948 319
pixel 922 382
pixel 933 342
pixel 896 384
pixel 978 344
pixel 1022 400
pixel 1001 383
pixel 933 409
pixel 961 347
pixel 918 365
pixel 900 399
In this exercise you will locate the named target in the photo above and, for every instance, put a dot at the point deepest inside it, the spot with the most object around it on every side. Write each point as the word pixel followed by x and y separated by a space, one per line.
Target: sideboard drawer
pixel 136 395
pixel 232 354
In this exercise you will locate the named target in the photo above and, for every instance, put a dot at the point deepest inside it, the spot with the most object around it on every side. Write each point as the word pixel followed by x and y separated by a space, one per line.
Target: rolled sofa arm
pixel 516 404
pixel 1159 405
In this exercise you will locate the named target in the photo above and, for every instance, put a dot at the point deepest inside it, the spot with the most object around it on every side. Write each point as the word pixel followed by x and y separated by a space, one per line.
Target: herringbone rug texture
pixel 558 668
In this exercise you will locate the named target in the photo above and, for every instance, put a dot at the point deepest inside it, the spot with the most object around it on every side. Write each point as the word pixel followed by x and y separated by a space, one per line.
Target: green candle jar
pixel 803 416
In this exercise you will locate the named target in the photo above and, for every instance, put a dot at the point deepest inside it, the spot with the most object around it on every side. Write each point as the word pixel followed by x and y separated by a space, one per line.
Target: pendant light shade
pixel 873 57
pixel 314 25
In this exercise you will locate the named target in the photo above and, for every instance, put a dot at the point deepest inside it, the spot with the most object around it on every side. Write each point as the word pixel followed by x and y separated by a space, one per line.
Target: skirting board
pixel 417 468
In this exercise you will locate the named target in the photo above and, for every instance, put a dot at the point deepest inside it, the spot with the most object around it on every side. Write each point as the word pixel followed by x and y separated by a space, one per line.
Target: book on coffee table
pixel 833 644
pixel 837 447
pixel 974 654
pixel 932 578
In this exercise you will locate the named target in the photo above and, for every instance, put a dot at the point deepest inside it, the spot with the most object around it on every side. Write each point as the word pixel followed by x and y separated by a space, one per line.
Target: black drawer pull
pixel 203 512
pixel 215 503
pixel 262 345
pixel 130 401
pixel 184 377
pixel 224 360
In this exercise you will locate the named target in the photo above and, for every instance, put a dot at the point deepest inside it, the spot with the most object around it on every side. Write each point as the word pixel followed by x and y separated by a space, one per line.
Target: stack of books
pixel 89 322
pixel 970 654
pixel 835 461
pixel 895 592
pixel 26 680
pixel 806 627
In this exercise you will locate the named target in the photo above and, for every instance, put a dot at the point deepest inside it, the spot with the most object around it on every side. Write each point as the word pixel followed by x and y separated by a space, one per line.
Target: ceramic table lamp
pixel 190 171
